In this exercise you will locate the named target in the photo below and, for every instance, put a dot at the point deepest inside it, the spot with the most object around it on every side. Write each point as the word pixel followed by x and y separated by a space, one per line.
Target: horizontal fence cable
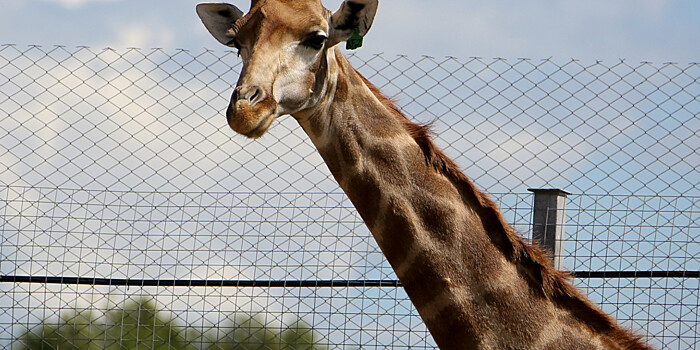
pixel 198 283
pixel 301 283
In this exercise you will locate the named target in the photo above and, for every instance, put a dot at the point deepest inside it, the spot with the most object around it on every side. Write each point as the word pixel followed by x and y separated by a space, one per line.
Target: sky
pixel 636 30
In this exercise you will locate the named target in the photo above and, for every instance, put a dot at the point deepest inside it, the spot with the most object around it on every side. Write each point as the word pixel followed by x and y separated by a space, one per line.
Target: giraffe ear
pixel 352 14
pixel 218 18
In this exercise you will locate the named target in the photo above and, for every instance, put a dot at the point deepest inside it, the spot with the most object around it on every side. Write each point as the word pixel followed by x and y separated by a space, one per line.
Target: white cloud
pixel 76 3
pixel 141 36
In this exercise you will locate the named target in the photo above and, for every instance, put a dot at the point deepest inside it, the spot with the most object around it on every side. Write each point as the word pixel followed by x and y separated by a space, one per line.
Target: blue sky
pixel 637 30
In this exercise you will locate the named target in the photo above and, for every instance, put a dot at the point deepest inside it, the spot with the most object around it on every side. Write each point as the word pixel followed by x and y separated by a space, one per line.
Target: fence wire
pixel 117 166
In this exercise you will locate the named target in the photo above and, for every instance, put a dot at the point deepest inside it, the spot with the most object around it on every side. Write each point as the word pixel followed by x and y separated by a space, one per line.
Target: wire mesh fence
pixel 640 234
pixel 124 192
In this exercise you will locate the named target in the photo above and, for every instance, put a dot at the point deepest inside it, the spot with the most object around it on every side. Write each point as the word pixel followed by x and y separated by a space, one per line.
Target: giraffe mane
pixel 531 261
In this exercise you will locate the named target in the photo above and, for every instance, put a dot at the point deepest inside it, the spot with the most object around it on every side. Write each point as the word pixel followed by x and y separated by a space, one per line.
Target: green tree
pixel 300 336
pixel 246 332
pixel 75 330
pixel 138 325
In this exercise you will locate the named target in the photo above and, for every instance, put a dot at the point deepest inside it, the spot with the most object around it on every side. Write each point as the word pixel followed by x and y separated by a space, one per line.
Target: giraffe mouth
pixel 261 128
pixel 251 119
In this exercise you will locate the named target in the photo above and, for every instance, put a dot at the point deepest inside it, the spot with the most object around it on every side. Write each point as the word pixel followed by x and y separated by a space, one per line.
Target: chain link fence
pixel 123 190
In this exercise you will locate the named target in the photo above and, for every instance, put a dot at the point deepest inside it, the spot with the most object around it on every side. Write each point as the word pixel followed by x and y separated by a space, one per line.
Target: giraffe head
pixel 283 45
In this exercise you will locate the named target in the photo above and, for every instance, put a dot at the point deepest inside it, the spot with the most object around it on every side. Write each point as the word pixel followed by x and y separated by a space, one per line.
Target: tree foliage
pixel 137 324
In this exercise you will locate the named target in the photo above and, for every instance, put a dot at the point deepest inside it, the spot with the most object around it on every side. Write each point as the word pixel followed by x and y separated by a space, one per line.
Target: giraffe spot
pixel 397 229
pixel 388 129
pixel 452 329
pixel 341 152
pixel 425 280
pixel 365 194
pixel 519 316
pixel 425 174
pixel 568 320
pixel 390 167
pixel 439 218
pixel 350 143
pixel 569 341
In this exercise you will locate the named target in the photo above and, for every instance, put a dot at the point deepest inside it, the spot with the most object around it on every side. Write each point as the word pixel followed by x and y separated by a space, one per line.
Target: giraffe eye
pixel 315 41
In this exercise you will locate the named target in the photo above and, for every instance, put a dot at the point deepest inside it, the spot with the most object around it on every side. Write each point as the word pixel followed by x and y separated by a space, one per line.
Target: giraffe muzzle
pixel 251 111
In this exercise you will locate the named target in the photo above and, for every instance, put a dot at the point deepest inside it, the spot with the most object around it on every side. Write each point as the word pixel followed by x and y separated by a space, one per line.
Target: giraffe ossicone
pixel 475 282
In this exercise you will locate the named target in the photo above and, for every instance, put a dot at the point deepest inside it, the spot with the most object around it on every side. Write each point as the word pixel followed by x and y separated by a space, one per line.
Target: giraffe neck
pixel 435 228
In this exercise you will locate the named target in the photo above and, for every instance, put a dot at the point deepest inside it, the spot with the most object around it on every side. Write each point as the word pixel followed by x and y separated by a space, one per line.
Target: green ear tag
pixel 355 40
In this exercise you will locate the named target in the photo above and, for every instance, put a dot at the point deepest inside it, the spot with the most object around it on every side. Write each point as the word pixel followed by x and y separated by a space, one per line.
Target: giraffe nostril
pixel 256 93
pixel 253 94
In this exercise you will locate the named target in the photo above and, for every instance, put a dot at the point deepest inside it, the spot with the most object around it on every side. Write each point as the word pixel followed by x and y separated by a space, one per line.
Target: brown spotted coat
pixel 475 282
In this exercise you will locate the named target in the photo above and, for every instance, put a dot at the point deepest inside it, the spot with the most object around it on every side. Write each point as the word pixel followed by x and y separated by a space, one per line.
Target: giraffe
pixel 474 281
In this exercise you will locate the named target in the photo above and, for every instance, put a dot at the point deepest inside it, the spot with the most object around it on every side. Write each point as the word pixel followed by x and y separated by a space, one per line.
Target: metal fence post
pixel 548 218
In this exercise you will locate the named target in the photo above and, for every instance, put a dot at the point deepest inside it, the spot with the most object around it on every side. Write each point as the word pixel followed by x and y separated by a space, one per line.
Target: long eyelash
pixel 312 41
